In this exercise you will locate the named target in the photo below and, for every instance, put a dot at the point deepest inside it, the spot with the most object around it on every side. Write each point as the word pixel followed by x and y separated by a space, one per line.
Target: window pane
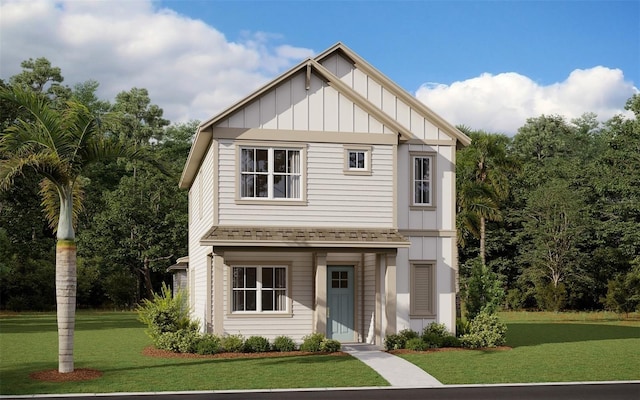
pixel 251 277
pixel 267 277
pixel 238 300
pixel 262 189
pixel 247 185
pixel 417 173
pixel 353 160
pixel 281 278
pixel 251 304
pixel 293 166
pixel 262 160
pixel 247 160
pixel 279 186
pixel 279 161
pixel 267 300
pixel 425 169
pixel 281 300
pixel 335 283
pixel 293 187
pixel 238 277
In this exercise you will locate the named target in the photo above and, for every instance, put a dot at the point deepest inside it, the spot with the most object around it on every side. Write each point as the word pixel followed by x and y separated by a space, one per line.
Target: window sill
pixel 422 208
pixel 357 172
pixel 422 316
pixel 259 315
pixel 272 202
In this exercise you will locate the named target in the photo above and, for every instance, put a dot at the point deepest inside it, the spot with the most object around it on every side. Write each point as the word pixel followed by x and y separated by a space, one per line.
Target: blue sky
pixel 485 64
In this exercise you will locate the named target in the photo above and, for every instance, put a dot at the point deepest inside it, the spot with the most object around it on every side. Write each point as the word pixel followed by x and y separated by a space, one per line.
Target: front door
pixel 340 324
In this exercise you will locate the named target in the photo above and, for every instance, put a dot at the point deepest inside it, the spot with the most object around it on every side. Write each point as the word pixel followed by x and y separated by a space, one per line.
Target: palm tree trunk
pixel 482 241
pixel 66 302
pixel 66 280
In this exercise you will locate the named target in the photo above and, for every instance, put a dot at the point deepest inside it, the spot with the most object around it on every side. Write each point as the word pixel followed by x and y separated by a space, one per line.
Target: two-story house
pixel 323 202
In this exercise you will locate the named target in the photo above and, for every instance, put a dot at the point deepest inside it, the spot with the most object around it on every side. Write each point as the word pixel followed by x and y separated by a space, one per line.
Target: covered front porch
pixel 339 282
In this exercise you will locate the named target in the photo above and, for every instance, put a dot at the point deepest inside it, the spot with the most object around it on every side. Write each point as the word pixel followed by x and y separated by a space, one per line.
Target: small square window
pixel 357 160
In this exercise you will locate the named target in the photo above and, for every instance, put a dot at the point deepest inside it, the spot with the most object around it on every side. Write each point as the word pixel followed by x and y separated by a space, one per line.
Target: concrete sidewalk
pixel 397 371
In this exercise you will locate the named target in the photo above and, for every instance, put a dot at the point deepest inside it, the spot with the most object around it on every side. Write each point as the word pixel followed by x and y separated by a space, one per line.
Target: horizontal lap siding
pixel 301 290
pixel 200 220
pixel 333 198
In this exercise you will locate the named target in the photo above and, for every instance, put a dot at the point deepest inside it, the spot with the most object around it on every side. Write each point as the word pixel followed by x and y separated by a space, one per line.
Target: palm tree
pixel 57 144
pixel 482 183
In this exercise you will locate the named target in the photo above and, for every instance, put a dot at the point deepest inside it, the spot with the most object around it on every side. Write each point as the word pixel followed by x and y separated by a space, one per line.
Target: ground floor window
pixel 259 289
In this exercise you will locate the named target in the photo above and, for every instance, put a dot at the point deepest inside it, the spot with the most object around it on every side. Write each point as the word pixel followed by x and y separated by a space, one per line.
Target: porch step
pixel 395 370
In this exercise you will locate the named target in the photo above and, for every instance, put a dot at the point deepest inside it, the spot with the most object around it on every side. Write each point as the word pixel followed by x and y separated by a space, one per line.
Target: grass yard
pixel 112 342
pixel 546 347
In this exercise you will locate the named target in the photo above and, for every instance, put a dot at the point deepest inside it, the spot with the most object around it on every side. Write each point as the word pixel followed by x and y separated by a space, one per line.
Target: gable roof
pixel 204 134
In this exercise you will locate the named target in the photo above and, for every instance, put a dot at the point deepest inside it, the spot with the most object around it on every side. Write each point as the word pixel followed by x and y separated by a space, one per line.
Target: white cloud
pixel 503 102
pixel 191 70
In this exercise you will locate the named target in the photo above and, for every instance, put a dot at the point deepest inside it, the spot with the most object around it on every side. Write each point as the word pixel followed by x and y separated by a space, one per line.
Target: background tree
pixel 57 145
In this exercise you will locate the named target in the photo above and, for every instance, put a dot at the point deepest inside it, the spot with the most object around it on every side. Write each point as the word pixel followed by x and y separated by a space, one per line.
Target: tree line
pixel 547 219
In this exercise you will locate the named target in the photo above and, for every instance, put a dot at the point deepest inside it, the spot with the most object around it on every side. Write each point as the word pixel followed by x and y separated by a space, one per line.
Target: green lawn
pixel 546 347
pixel 112 342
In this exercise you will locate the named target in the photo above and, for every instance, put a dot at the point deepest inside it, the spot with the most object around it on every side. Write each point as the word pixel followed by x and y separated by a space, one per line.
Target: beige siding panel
pixel 344 70
pixel 360 120
pixel 369 297
pixel 252 115
pixel 431 132
pixel 284 109
pixel 403 114
pixel 346 114
pixel 333 198
pixel 417 123
pixel 300 323
pixel 331 63
pixel 316 104
pixel 360 82
pixel 268 118
pixel 389 103
pixel 300 103
pixel 237 120
pixel 375 126
pixel 330 108
pixel 374 93
pixel 446 190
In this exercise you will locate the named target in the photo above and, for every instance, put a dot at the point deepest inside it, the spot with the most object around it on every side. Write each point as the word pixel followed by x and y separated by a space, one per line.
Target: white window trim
pixel 302 200
pixel 432 181
pixel 283 313
pixel 416 313
pixel 367 160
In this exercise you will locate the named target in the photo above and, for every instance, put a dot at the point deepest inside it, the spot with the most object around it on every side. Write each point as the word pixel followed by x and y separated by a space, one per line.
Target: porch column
pixel 218 294
pixel 390 294
pixel 321 294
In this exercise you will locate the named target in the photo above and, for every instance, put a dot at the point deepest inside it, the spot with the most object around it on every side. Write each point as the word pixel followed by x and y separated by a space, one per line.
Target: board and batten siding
pixel 291 106
pixel 384 99
pixel 333 198
pixel 201 195
pixel 301 289
pixel 442 217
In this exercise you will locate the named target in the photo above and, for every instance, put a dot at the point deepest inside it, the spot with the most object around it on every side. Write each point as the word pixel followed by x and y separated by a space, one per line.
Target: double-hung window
pixel 422 180
pixel 259 289
pixel 270 173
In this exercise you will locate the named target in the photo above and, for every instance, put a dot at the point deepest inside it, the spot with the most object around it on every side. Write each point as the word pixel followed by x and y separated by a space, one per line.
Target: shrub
pixel 462 327
pixel 451 341
pixel 432 340
pixel 165 313
pixel 394 342
pixel 416 344
pixel 312 342
pixel 481 288
pixel 486 330
pixel 399 340
pixel 330 345
pixel 209 344
pixel 283 343
pixel 180 341
pixel 233 343
pixel 256 344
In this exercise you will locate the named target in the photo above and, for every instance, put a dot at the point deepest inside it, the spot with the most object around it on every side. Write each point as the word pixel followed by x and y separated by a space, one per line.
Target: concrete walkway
pixel 397 371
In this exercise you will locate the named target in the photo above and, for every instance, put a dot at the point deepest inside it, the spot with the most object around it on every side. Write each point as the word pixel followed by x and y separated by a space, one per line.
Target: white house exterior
pixel 323 202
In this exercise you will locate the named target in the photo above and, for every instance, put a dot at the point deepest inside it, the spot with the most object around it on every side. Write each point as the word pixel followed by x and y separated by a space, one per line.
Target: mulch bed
pixel 80 374
pixel 153 352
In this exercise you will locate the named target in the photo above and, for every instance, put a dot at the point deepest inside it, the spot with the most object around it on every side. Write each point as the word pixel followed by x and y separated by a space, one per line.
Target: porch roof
pixel 303 237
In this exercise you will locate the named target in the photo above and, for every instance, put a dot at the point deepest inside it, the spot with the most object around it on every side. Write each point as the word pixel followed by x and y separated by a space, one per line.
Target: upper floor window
pixel 270 173
pixel 357 160
pixel 422 184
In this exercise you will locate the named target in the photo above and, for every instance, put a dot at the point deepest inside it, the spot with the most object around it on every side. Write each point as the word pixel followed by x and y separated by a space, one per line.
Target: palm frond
pixel 50 203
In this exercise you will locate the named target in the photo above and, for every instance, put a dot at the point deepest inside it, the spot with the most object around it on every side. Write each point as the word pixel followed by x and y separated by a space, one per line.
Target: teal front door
pixel 340 296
